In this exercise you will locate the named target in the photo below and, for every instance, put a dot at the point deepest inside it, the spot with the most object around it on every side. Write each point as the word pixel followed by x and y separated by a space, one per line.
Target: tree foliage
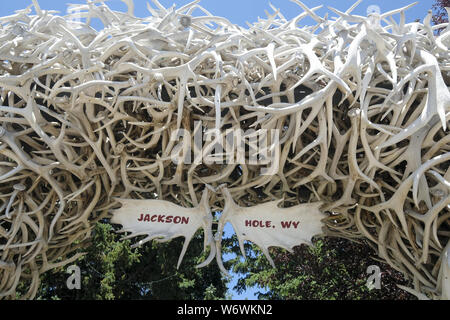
pixel 330 269
pixel 111 269
pixel 440 13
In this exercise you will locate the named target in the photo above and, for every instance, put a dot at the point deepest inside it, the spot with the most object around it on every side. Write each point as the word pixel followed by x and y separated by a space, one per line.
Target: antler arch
pixel 361 105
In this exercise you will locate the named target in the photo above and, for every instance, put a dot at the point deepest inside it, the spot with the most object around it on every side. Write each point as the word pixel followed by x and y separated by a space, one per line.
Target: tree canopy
pixel 111 269
pixel 440 13
pixel 331 269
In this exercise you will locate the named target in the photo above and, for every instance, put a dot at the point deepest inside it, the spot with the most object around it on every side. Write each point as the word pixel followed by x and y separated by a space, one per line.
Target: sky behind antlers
pixel 240 11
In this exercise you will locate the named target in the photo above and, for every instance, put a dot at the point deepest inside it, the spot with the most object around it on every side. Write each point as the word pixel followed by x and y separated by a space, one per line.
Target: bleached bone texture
pixel 361 104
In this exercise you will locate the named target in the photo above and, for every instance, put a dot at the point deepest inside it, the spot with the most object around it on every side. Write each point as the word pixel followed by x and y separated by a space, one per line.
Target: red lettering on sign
pixel 258 223
pixel 163 219
pixel 287 224
pixel 184 220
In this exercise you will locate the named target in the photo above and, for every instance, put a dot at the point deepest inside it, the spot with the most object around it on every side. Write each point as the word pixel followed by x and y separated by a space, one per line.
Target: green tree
pixel 111 269
pixel 331 269
pixel 440 13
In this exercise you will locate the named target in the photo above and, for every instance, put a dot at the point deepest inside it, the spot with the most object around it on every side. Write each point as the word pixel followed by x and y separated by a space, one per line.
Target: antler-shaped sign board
pixel 163 221
pixel 266 225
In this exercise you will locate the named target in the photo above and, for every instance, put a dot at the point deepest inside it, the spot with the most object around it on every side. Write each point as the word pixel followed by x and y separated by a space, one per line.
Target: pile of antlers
pixel 361 104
